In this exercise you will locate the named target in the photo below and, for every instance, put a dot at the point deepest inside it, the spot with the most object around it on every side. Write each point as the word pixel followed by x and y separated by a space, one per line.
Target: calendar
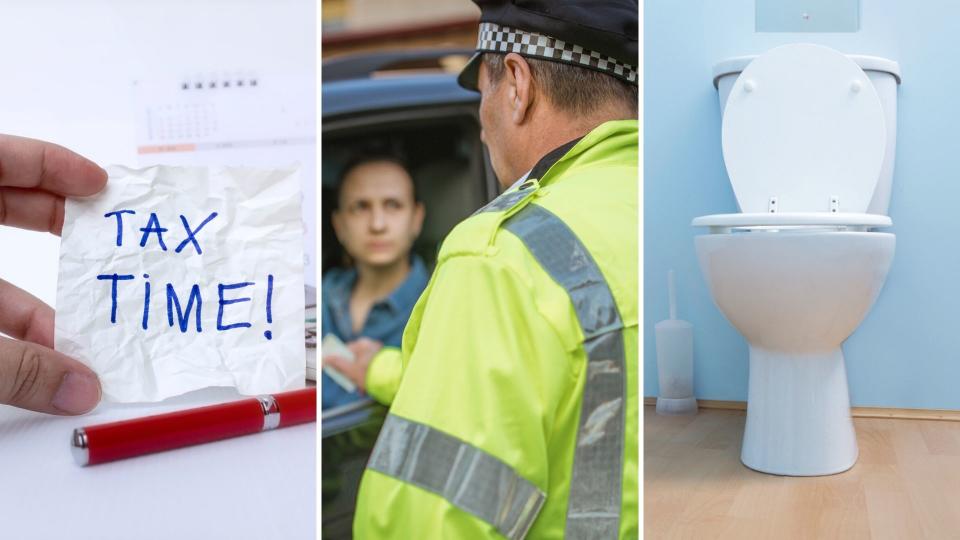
pixel 257 118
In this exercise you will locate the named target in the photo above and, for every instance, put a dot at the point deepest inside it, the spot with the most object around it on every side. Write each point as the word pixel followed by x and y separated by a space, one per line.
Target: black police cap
pixel 594 34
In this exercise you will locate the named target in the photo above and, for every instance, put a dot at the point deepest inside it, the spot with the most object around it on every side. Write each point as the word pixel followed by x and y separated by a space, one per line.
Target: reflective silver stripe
pixel 467 477
pixel 595 486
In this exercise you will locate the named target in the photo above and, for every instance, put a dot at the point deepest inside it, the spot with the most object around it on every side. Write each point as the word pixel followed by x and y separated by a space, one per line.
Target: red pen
pixel 129 438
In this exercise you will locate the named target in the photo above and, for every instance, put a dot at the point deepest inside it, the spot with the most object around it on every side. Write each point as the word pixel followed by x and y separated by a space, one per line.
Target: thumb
pixel 334 361
pixel 364 347
pixel 41 379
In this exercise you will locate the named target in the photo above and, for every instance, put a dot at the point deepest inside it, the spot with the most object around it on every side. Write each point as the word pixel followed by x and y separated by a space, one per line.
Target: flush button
pixel 856 86
pixel 749 86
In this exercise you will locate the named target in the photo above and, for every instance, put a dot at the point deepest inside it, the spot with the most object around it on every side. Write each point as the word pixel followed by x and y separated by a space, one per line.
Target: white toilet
pixel 809 137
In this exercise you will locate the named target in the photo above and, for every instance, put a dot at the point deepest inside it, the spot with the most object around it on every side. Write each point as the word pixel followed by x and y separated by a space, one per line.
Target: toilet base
pixel 798 414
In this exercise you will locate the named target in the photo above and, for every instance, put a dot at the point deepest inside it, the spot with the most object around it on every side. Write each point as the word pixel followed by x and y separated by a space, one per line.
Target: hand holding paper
pixel 34 178
pixel 333 347
pixel 351 365
pixel 179 278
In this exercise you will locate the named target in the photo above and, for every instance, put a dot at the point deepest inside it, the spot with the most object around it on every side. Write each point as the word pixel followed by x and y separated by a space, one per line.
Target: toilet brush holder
pixel 675 361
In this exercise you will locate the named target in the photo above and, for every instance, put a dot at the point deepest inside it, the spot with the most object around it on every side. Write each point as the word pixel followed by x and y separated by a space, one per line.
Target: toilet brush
pixel 675 360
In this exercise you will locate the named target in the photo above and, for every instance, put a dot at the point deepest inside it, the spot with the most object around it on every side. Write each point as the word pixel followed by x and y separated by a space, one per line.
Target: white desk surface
pixel 260 486
pixel 67 72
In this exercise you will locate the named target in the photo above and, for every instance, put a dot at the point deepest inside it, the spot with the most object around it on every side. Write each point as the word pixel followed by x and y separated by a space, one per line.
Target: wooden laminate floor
pixel 906 484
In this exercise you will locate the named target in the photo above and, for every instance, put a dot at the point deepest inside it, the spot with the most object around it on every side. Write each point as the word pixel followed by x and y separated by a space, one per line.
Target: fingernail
pixel 78 393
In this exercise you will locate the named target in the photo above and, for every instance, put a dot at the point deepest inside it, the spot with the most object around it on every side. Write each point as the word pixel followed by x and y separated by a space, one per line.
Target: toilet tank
pixel 885 76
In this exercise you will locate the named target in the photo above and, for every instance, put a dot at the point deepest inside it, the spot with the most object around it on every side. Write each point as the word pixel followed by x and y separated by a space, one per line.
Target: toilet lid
pixel 803 131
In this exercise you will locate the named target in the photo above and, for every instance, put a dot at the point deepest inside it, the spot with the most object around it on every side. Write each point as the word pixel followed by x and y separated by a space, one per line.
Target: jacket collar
pixel 608 137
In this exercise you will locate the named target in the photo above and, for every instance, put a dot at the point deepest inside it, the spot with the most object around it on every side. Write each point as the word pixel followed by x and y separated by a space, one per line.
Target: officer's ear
pixel 520 91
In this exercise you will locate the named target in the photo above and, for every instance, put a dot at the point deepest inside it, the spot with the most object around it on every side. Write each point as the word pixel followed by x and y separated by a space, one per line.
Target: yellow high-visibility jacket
pixel 514 405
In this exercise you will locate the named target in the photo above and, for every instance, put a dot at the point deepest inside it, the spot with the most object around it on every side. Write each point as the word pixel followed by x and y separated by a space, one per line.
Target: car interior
pixel 445 158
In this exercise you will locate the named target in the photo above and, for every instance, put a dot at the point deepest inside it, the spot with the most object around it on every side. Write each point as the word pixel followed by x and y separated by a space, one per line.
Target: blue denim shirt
pixel 385 322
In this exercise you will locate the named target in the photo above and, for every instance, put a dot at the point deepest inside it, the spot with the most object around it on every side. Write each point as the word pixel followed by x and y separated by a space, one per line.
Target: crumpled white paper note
pixel 141 260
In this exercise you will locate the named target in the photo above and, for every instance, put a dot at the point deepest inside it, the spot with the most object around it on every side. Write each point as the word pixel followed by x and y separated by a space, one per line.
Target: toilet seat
pixel 803 131
pixel 726 223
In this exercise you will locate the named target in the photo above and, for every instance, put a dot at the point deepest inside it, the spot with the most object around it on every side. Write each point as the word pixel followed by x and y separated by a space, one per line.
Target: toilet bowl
pixel 807 145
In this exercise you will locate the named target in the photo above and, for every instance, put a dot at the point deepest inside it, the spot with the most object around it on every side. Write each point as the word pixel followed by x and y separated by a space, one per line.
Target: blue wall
pixel 907 351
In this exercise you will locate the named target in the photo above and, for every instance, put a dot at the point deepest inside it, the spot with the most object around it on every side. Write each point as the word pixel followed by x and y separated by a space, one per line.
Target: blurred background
pixel 353 26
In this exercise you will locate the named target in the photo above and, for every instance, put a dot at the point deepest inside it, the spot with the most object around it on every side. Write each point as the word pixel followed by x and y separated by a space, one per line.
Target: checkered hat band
pixel 503 39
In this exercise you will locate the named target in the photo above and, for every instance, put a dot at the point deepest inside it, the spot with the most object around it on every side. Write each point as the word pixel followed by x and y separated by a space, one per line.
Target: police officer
pixel 514 398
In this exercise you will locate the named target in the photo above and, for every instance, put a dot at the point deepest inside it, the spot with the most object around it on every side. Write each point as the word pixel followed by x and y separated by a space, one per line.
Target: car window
pixel 446 160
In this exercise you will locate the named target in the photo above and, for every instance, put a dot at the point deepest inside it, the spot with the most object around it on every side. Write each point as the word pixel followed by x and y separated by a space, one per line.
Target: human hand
pixel 35 176
pixel 363 351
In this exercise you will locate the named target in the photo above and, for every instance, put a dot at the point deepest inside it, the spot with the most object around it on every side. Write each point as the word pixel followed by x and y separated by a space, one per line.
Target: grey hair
pixel 570 88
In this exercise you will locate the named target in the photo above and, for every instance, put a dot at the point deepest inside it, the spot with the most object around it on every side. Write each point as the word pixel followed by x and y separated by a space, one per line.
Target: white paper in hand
pixel 179 278
pixel 332 345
